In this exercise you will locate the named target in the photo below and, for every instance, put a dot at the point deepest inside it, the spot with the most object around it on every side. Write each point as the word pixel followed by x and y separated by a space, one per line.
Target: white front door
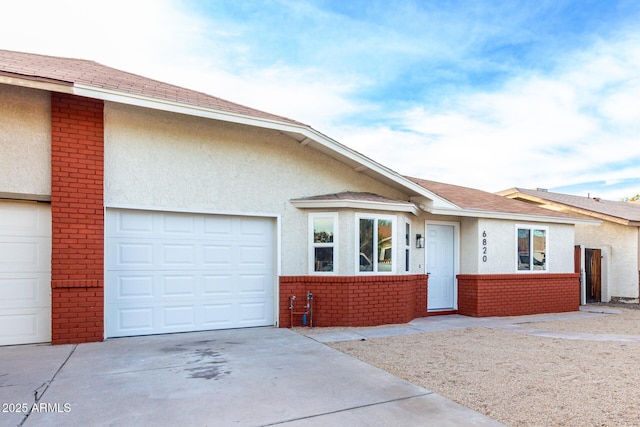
pixel 25 272
pixel 179 272
pixel 441 266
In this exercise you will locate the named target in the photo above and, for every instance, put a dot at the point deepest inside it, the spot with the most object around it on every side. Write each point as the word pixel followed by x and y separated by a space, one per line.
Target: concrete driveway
pixel 244 377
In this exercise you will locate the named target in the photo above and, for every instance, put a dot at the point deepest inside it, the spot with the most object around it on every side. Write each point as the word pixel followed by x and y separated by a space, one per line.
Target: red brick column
pixel 77 216
pixel 483 295
pixel 355 300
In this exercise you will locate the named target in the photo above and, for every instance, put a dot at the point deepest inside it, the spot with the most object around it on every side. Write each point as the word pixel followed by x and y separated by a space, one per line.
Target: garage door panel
pixel 178 318
pixel 252 313
pixel 217 285
pixel 178 286
pixel 25 254
pixel 25 219
pixel 183 254
pixel 134 320
pixel 178 224
pixel 26 290
pixel 193 272
pixel 130 223
pixel 251 229
pixel 218 315
pixel 219 226
pixel 218 255
pixel 253 285
pixel 129 286
pixel 253 256
pixel 25 326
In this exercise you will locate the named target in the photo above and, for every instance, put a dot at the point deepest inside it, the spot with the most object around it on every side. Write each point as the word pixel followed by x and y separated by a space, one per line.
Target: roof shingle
pixel 624 210
pixel 79 71
pixel 470 198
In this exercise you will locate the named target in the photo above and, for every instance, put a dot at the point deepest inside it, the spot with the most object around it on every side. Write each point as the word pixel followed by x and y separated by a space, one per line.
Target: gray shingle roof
pixel 626 211
pixel 69 71
pixel 472 199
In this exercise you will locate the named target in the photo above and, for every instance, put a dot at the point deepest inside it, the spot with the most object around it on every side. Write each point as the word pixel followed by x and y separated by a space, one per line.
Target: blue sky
pixel 486 94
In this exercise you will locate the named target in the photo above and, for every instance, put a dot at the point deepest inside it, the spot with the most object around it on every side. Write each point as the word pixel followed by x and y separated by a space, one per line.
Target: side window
pixel 407 247
pixel 375 243
pixel 531 248
pixel 323 241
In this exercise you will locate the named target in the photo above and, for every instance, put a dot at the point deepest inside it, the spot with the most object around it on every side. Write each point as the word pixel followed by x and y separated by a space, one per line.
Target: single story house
pixel 129 206
pixel 609 255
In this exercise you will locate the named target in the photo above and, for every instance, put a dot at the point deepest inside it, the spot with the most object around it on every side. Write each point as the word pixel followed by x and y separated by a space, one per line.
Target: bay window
pixel 375 243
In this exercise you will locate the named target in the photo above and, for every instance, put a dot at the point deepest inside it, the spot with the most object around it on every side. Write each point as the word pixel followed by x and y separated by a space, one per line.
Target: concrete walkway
pixel 516 324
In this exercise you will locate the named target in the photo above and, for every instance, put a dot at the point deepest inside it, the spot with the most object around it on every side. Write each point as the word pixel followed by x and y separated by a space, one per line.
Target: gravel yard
pixel 522 380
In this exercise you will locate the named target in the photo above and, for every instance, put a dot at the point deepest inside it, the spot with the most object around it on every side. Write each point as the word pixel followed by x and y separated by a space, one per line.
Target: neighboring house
pixel 608 255
pixel 130 206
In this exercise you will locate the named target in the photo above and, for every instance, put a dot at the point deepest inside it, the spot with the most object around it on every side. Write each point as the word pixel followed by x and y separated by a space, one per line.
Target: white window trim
pixel 394 244
pixel 313 245
pixel 532 227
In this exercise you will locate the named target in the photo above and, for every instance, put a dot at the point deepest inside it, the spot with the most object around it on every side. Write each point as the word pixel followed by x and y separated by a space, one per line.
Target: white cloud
pixel 577 125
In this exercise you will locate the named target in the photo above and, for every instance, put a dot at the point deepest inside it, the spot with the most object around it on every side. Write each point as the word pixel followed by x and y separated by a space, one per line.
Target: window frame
pixel 532 228
pixel 394 243
pixel 312 245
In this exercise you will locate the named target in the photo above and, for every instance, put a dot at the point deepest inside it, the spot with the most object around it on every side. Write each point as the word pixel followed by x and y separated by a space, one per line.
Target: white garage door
pixel 178 272
pixel 25 273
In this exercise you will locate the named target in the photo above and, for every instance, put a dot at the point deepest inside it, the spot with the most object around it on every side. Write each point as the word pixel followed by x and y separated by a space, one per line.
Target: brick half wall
pixel 354 300
pixel 517 294
pixel 77 217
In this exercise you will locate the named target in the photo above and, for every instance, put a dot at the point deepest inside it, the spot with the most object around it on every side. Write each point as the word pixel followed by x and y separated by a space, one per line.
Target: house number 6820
pixel 484 246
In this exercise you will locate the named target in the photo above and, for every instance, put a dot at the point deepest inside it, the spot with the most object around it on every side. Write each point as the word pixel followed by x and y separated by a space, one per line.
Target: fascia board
pixel 37 84
pixel 355 204
pixel 515 216
pixel 177 107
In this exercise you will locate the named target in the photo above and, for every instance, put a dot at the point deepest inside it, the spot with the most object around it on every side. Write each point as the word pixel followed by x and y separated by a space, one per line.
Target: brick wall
pixel 355 300
pixel 517 294
pixel 77 216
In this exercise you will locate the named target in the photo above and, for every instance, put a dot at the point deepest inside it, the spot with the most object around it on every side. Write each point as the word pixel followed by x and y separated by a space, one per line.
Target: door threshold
pixel 441 312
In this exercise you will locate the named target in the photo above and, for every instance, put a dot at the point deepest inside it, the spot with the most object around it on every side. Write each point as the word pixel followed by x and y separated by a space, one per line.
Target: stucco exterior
pixel 169 161
pixel 25 138
pixel 619 244
pixel 501 246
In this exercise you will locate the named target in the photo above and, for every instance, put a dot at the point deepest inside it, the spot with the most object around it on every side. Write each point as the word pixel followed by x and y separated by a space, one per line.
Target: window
pixel 375 243
pixel 323 230
pixel 532 248
pixel 407 247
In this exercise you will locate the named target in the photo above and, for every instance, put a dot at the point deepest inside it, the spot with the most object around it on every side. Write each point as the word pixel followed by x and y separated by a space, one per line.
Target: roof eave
pixel 355 204
pixel 36 83
pixel 546 204
pixel 514 216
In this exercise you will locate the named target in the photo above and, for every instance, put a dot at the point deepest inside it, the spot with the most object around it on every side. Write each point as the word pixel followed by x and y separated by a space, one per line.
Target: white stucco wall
pixel 622 261
pixel 25 141
pixel 170 161
pixel 469 244
pixel 501 246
